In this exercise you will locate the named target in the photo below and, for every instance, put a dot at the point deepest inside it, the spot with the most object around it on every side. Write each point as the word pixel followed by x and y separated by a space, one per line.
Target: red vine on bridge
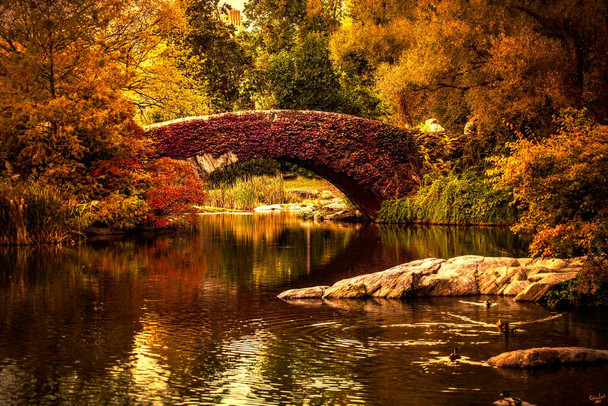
pixel 360 156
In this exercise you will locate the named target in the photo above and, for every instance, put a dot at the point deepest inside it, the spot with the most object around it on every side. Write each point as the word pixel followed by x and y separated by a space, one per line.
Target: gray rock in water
pixel 530 280
pixel 547 356
pixel 455 277
pixel 305 293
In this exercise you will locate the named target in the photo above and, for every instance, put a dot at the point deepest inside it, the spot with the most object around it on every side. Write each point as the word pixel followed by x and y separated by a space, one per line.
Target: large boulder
pixel 394 283
pixel 524 278
pixel 514 288
pixel 542 284
pixel 456 277
pixel 547 356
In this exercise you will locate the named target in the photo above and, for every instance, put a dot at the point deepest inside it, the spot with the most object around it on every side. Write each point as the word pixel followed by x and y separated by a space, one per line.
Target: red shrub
pixel 175 189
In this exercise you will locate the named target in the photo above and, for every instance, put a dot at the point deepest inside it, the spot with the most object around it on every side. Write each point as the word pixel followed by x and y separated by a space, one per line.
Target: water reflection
pixel 194 318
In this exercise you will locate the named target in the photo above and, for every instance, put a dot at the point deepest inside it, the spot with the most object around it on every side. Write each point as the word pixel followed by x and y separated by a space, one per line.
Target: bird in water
pixel 504 327
pixel 454 355
pixel 508 400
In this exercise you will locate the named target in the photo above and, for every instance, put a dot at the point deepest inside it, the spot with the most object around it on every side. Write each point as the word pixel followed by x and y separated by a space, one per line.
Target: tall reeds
pixel 248 193
pixel 34 214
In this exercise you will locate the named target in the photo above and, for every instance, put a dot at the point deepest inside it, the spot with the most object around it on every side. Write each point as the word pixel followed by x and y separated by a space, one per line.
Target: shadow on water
pixel 195 318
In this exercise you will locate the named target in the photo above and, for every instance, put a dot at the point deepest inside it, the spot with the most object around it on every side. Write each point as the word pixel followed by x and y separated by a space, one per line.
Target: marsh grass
pixel 248 193
pixel 452 199
pixel 34 214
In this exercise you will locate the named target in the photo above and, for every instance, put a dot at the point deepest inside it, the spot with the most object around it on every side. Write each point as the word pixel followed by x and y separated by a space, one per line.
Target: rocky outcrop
pixel 306 293
pixel 547 356
pixel 328 208
pixel 207 163
pixel 524 278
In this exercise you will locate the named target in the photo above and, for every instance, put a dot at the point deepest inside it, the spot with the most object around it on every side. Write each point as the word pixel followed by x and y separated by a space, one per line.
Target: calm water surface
pixel 194 319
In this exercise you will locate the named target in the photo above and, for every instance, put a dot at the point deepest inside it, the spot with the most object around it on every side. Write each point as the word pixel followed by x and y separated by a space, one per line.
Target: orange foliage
pixel 561 184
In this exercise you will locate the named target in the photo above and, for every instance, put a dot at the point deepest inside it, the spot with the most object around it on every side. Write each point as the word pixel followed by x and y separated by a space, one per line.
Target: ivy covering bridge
pixel 367 160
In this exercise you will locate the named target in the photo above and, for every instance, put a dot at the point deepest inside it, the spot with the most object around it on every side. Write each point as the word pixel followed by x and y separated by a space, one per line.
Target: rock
pixel 345 215
pixel 207 163
pixel 494 280
pixel 394 283
pixel 547 282
pixel 432 126
pixel 547 356
pixel 305 293
pixel 456 277
pixel 272 207
pixel 555 278
pixel 326 195
pixel 301 209
pixel 447 285
pixel 490 263
pixel 335 206
pixel 527 280
pixel 514 288
pixel 524 261
pixel 353 288
pixel 533 292
pixel 538 276
pixel 551 263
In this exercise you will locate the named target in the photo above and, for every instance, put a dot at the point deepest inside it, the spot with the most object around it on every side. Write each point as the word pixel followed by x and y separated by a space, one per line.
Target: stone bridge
pixel 367 160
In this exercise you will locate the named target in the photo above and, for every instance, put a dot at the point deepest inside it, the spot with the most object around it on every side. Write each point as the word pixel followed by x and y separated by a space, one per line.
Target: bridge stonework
pixel 367 160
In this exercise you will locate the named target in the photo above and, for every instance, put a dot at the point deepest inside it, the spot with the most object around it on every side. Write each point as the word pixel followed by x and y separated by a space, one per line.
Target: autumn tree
pixel 281 24
pixel 71 74
pixel 166 82
pixel 292 68
pixel 214 56
pixel 515 61
pixel 62 68
pixel 561 185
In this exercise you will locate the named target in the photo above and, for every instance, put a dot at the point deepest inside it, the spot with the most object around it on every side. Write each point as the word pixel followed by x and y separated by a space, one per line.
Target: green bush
pixel 468 198
pixel 589 288
pixel 397 211
pixel 31 213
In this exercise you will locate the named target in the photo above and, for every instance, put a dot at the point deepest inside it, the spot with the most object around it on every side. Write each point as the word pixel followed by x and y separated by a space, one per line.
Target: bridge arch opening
pixel 228 173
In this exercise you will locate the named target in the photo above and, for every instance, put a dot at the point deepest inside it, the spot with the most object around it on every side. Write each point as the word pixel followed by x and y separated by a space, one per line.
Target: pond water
pixel 194 319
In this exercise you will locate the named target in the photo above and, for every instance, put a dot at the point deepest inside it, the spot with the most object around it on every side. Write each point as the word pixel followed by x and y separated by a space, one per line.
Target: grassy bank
pixel 452 199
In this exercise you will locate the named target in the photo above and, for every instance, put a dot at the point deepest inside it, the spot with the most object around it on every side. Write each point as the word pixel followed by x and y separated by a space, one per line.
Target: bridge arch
pixel 367 160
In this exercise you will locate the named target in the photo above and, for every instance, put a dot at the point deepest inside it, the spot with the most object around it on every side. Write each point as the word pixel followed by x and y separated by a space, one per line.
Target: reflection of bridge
pixel 367 160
